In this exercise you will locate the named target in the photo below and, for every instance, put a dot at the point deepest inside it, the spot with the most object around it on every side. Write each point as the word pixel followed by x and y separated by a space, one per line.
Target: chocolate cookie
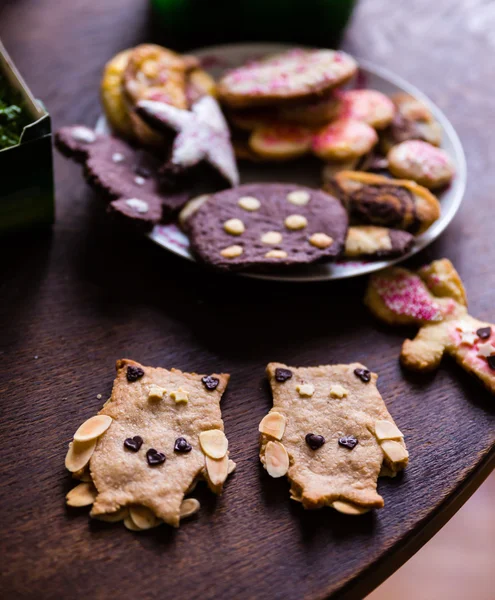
pixel 267 225
pixel 378 200
pixel 203 136
pixel 128 175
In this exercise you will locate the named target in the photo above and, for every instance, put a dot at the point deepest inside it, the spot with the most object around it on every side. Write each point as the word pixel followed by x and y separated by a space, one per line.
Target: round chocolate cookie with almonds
pixel 267 225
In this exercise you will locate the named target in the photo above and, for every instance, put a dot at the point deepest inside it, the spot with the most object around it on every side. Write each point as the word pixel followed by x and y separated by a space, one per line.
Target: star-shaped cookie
pixel 202 135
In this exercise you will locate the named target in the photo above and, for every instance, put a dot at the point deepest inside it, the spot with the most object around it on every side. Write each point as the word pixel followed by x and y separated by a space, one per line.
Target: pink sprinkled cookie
pixel 426 164
pixel 280 142
pixel 434 299
pixel 292 75
pixel 370 106
pixel 344 139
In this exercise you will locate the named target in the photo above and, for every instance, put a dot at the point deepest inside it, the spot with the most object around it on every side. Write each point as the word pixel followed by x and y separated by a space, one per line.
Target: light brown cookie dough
pixel 332 444
pixel 344 139
pixel 154 438
pixel 434 299
pixel 426 164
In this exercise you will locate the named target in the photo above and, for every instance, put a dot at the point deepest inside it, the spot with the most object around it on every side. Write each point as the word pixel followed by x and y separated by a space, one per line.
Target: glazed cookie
pixel 421 162
pixel 115 105
pixel 370 106
pixel 372 242
pixel 158 434
pixel 295 74
pixel 344 139
pixel 434 299
pixel 269 225
pixel 280 142
pixel 413 120
pixel 202 136
pixel 121 172
pixel 331 434
pixel 378 200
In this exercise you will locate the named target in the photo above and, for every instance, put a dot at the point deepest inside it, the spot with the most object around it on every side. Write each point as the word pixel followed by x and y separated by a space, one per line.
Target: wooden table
pixel 75 299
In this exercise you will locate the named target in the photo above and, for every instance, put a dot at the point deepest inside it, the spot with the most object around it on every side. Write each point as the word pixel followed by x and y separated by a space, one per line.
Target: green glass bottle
pixel 192 23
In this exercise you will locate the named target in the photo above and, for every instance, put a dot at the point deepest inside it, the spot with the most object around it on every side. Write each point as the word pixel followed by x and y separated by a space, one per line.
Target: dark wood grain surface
pixel 75 299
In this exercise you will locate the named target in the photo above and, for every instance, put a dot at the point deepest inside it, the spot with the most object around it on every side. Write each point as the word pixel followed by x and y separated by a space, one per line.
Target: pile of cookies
pixel 177 132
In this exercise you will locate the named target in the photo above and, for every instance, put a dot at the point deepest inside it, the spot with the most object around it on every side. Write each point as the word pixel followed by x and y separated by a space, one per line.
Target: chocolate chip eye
pixel 134 443
pixel 134 373
pixel 314 441
pixel 154 457
pixel 363 374
pixel 348 441
pixel 182 445
pixel 484 332
pixel 210 382
pixel 282 375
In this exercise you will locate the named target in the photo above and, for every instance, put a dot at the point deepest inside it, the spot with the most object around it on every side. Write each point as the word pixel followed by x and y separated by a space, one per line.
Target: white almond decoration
pixel 142 517
pixel 394 451
pixel 232 466
pixel 115 517
pixel 79 454
pixel 349 509
pixel 129 524
pixel 298 197
pixel 83 494
pixel 249 203
pixel 384 430
pixel 189 507
pixel 217 470
pixel 273 425
pixel 214 443
pixel 296 222
pixel 92 428
pixel 234 226
pixel 276 459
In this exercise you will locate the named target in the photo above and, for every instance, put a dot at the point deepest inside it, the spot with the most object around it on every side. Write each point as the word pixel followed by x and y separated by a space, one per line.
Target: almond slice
pixel 231 467
pixel 306 390
pixel 394 451
pixel 347 508
pixel 214 443
pixel 115 517
pixel 189 507
pixel 83 494
pixel 92 428
pixel 129 524
pixel 273 424
pixel 142 517
pixel 79 454
pixel 276 459
pixel 217 470
pixel 385 430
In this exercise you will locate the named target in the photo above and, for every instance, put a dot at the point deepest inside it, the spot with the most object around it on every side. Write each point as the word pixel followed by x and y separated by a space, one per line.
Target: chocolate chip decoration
pixel 154 457
pixel 314 441
pixel 182 445
pixel 210 382
pixel 491 362
pixel 363 374
pixel 348 441
pixel 282 375
pixel 484 332
pixel 134 373
pixel 134 443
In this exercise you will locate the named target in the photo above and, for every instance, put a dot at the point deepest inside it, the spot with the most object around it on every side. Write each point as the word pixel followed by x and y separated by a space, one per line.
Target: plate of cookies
pixel 273 162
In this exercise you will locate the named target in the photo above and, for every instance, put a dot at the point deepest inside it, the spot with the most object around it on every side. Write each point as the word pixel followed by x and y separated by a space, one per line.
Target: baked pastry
pixel 158 434
pixel 370 106
pixel 344 139
pixel 127 176
pixel 378 200
pixel 434 300
pixel 331 434
pixel 293 75
pixel 426 164
pixel 374 243
pixel 268 225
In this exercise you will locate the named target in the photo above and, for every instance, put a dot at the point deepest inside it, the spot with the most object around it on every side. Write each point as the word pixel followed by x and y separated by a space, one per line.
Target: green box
pixel 26 180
